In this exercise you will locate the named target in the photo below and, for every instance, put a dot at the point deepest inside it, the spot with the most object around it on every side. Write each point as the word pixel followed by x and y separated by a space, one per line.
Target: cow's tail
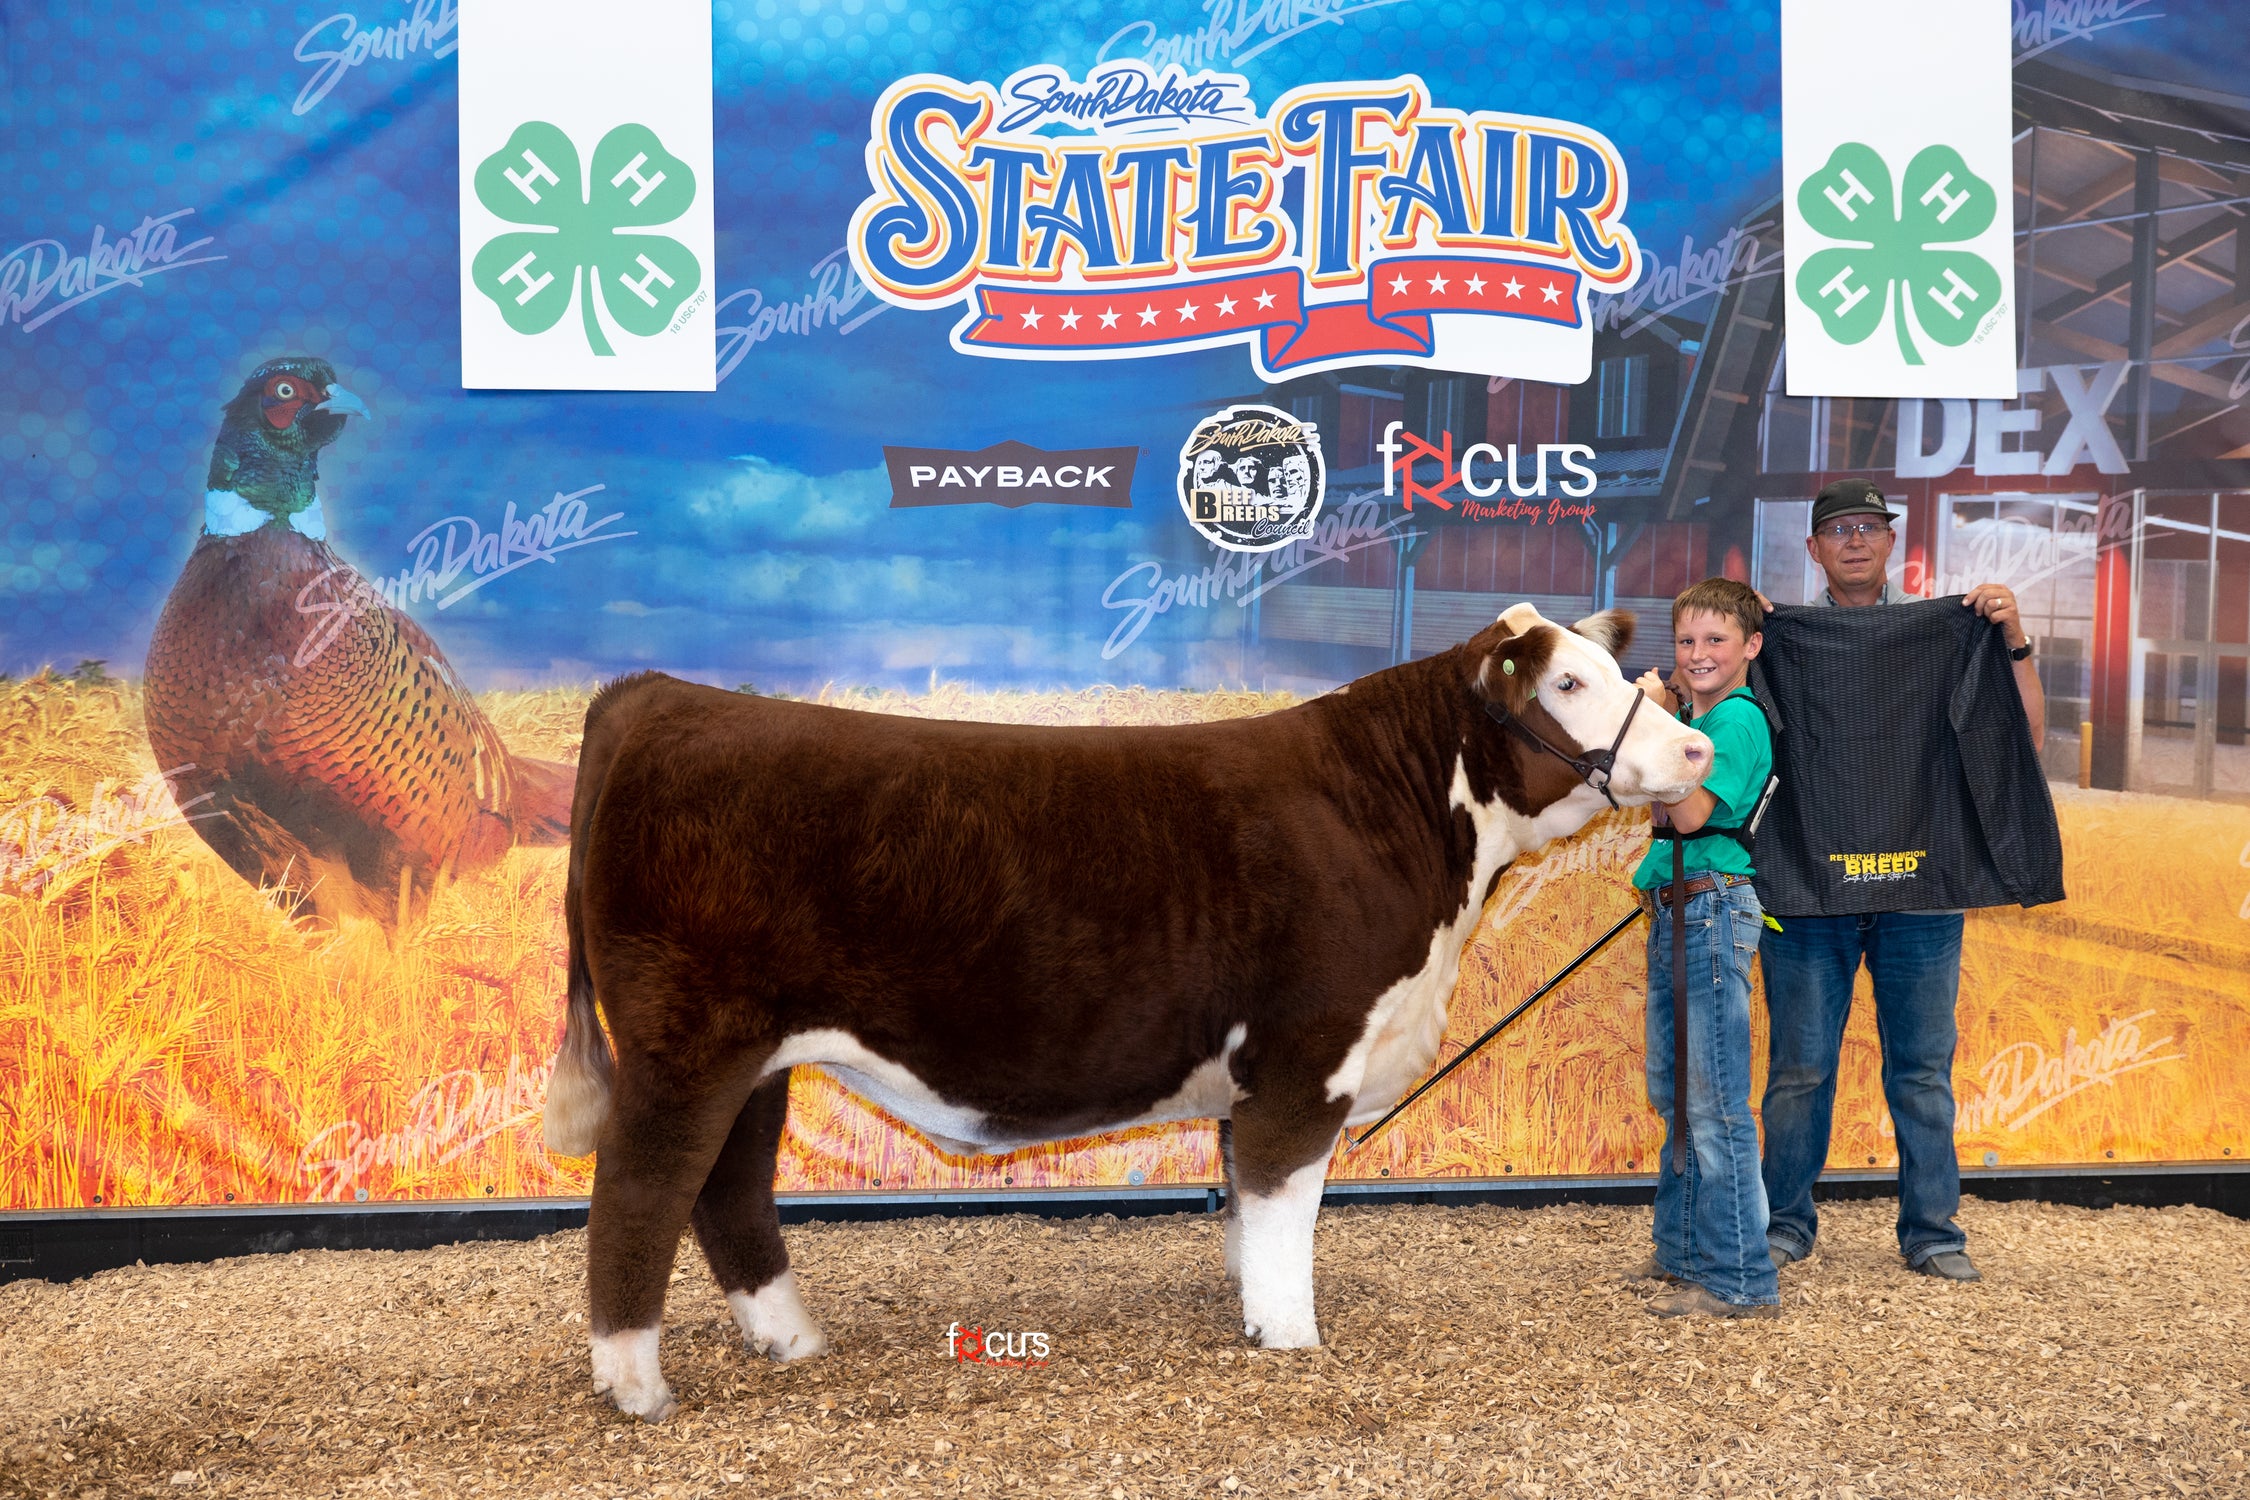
pixel 578 1089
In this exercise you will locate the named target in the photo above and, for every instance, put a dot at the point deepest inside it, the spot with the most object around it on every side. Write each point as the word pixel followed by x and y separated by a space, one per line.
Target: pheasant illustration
pixel 345 761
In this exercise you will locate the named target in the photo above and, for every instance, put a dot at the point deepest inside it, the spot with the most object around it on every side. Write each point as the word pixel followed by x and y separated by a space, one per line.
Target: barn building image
pixel 2107 494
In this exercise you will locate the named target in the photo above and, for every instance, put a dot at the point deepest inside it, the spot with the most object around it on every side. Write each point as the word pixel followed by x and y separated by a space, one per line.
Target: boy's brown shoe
pixel 1649 1270
pixel 1691 1301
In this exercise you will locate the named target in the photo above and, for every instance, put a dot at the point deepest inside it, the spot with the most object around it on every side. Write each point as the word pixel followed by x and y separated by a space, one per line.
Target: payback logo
pixel 1141 212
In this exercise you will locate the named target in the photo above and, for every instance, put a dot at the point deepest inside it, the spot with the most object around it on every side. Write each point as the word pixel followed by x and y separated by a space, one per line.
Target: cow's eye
pixel 1566 684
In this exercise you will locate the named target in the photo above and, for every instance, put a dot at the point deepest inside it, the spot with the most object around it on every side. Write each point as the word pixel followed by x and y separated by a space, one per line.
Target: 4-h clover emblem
pixel 1943 294
pixel 585 239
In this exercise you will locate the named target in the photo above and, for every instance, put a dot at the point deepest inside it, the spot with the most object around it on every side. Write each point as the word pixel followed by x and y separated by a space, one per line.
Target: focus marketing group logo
pixel 1251 479
pixel 973 1346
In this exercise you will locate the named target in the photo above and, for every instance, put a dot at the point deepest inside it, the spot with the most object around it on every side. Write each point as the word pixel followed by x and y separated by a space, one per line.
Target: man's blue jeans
pixel 1711 1221
pixel 1915 960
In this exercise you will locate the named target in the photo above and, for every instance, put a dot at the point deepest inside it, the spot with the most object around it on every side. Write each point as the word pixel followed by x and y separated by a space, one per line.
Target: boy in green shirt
pixel 1710 1200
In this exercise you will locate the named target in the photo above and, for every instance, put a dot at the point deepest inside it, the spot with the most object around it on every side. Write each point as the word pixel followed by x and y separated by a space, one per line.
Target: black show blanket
pixel 1908 777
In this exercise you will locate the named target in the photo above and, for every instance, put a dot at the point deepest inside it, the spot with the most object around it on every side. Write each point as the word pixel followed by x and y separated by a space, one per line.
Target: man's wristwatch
pixel 2022 652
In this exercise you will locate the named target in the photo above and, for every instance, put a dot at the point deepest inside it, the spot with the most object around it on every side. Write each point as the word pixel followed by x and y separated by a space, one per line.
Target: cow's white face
pixel 1573 675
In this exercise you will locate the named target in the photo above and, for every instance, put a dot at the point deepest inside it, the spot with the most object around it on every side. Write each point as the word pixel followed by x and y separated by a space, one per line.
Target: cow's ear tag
pixel 1508 668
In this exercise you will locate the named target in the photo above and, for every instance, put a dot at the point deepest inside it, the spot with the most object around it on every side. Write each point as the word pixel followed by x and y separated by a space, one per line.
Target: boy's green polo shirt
pixel 1741 763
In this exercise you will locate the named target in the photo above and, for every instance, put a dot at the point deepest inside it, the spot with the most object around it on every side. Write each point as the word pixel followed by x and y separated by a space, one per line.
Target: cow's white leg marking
pixel 626 1370
pixel 774 1321
pixel 1276 1258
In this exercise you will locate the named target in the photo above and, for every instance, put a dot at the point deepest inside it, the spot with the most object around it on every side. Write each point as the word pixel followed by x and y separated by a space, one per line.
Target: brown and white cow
pixel 1006 934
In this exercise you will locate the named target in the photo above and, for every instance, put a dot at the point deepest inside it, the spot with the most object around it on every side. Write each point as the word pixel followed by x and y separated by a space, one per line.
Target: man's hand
pixel 1997 603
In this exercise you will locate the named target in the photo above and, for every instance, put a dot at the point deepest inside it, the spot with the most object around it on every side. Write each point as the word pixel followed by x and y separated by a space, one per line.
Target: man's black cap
pixel 1849 497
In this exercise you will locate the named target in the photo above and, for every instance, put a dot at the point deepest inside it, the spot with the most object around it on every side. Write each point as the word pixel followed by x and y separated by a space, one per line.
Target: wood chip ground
pixel 1470 1351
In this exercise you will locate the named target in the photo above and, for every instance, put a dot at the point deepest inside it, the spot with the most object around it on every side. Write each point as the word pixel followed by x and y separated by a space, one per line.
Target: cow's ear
pixel 1510 673
pixel 1612 630
pixel 1520 619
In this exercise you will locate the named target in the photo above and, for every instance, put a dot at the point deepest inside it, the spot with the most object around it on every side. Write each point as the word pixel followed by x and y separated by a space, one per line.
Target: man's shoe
pixel 1649 1270
pixel 1691 1301
pixel 1951 1265
pixel 1786 1254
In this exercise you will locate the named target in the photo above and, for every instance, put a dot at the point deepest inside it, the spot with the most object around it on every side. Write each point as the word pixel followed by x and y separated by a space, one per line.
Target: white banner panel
pixel 586 241
pixel 1898 187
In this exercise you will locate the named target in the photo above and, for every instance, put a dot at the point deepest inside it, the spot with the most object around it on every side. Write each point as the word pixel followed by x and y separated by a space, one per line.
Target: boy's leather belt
pixel 1662 895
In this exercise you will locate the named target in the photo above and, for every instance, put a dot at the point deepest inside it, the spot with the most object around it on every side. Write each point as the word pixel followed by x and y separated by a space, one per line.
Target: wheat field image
pixel 171 1035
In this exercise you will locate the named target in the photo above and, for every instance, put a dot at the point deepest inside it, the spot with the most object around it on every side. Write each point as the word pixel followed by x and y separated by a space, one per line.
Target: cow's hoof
pixel 626 1371
pixel 775 1322
pixel 1285 1334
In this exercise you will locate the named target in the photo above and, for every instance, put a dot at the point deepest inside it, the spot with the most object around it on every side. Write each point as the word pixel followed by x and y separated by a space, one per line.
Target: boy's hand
pixel 1653 685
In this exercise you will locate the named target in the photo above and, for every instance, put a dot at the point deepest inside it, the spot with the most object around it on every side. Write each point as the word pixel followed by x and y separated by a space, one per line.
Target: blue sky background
pixel 764 549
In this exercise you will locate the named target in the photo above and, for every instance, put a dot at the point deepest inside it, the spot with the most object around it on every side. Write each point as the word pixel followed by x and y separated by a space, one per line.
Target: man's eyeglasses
pixel 1844 531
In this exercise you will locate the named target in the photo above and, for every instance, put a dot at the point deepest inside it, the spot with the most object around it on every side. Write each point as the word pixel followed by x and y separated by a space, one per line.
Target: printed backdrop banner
pixel 1895 164
pixel 1126 363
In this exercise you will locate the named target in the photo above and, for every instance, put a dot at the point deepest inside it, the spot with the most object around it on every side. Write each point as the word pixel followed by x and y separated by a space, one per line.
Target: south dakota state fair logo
pixel 1251 479
pixel 1142 212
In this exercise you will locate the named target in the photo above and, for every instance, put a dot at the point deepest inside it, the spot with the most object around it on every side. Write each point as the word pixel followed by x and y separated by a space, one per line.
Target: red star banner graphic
pixel 1393 320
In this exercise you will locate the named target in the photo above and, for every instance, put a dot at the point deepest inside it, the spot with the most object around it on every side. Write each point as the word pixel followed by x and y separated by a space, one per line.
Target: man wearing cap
pixel 1914 959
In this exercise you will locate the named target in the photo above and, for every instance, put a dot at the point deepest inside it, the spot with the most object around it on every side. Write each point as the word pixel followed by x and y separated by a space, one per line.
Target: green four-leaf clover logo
pixel 1945 293
pixel 586 243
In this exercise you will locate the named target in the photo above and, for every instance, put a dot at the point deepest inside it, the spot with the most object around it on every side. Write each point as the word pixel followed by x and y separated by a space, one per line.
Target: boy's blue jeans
pixel 1915 961
pixel 1711 1221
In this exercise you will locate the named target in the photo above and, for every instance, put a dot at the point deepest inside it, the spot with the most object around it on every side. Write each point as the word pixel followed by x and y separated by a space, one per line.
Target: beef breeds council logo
pixel 1251 478
pixel 1144 212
